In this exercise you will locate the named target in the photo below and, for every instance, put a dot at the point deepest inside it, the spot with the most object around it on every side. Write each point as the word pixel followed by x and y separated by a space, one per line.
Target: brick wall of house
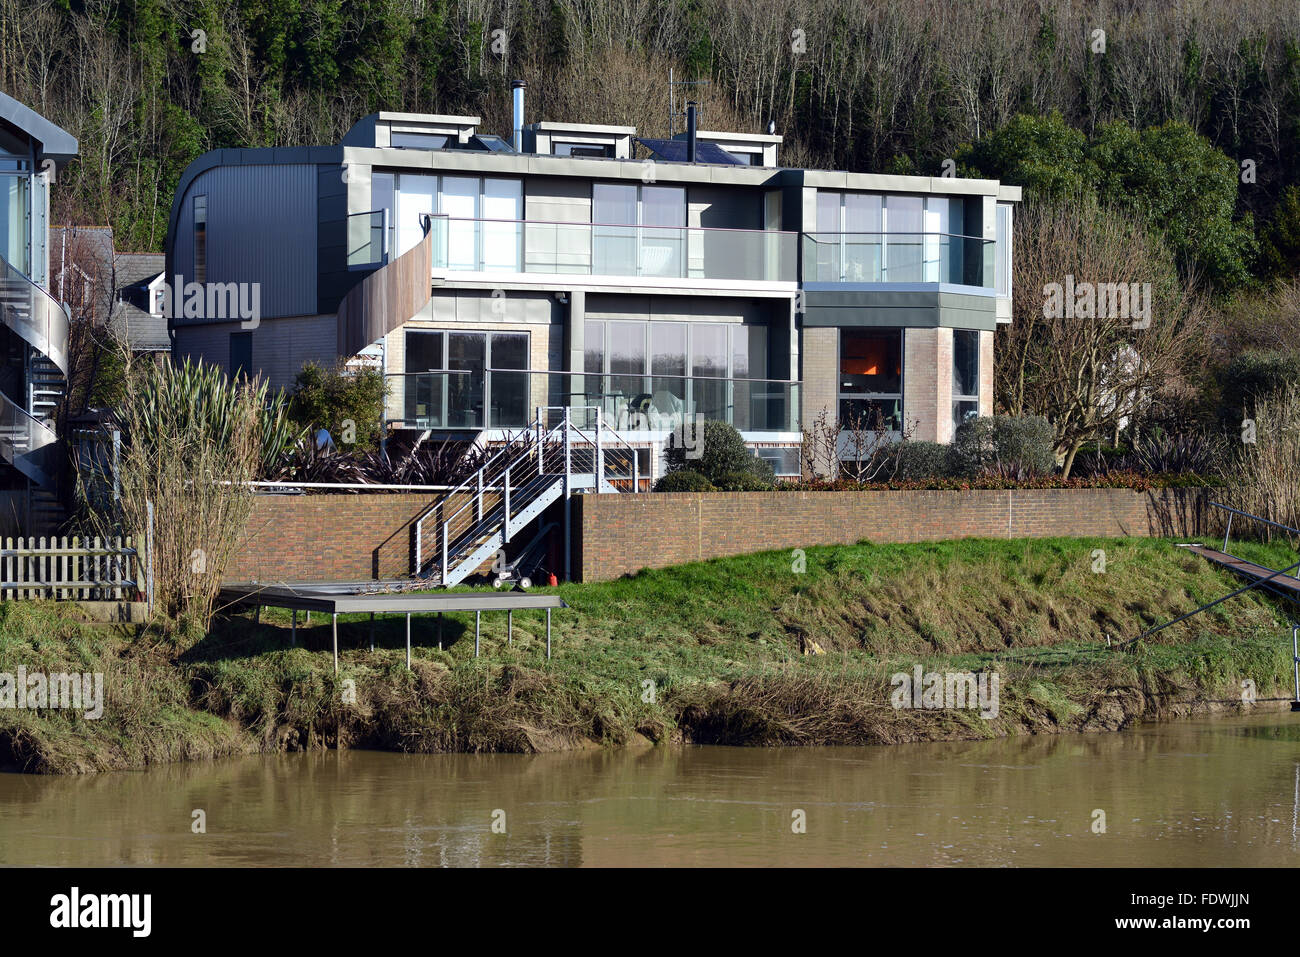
pixel 943 346
pixel 986 372
pixel 920 382
pixel 821 366
pixel 621 534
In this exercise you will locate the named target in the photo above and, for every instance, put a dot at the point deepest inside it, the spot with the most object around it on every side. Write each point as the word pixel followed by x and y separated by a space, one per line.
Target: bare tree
pixel 1102 322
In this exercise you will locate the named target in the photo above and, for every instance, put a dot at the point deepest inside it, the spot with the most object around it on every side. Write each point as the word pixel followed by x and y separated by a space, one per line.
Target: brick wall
pixel 306 538
pixel 621 534
pixel 920 382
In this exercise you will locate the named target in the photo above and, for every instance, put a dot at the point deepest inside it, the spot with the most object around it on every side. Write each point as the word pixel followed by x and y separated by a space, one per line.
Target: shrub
pixel 684 480
pixel 722 452
pixel 1252 376
pixel 742 482
pixel 1005 445
pixel 331 399
pixel 923 460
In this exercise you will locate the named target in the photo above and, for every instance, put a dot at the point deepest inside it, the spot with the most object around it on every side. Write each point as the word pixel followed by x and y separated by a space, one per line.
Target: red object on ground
pixel 552 580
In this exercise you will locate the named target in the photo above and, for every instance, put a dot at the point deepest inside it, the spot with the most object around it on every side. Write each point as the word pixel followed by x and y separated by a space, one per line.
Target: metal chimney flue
pixel 518 87
pixel 690 130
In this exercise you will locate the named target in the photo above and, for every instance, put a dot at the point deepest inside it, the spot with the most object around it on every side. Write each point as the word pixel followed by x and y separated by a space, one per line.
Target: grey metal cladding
pixel 921 309
pixel 279 252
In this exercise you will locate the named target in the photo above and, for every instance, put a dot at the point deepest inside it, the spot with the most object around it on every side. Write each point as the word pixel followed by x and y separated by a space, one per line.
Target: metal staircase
pixel 27 423
pixel 535 468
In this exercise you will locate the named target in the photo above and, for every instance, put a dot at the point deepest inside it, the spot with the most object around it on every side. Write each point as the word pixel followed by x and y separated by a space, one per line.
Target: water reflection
pixel 1208 793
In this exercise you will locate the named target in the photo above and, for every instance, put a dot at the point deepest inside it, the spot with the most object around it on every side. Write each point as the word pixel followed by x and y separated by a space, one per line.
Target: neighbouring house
pixel 490 277
pixel 137 317
pixel 34 339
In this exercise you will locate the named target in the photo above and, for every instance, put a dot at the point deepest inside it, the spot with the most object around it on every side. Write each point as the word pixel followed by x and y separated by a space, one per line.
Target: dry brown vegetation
pixel 1093 374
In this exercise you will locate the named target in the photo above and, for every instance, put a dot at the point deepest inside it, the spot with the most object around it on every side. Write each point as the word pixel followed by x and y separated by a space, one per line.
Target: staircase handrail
pixel 49 322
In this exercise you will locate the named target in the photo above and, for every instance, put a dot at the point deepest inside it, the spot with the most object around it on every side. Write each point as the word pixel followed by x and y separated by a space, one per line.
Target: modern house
pixel 34 338
pixel 491 277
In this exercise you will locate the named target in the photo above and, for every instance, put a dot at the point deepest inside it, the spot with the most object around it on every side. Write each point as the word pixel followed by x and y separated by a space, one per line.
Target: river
pixel 1213 792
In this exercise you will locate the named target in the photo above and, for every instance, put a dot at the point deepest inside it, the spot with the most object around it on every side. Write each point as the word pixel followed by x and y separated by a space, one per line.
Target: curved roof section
pixel 52 141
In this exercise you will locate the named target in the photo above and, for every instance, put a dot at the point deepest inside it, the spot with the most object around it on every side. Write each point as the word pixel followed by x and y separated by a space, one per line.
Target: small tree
pixel 349 403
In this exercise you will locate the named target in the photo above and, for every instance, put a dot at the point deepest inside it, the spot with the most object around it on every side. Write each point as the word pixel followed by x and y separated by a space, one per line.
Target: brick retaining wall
pixel 621 534
pixel 328 538
pixel 359 537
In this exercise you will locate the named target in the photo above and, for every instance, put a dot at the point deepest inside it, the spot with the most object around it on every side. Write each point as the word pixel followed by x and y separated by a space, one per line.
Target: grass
pixel 742 650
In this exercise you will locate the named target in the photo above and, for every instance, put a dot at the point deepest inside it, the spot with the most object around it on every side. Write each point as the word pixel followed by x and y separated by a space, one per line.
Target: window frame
pixel 647 376
pixel 841 396
pixel 200 238
pixel 444 350
pixel 478 221
pixel 965 398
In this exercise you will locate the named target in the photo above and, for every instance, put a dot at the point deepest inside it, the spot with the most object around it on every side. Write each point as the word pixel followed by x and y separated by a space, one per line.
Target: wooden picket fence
pixel 71 569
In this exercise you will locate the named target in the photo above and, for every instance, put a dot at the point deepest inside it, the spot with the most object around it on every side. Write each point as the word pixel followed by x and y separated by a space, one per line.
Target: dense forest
pixel 882 85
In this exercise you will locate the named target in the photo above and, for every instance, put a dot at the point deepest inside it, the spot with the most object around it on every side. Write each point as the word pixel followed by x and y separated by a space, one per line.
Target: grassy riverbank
pixel 736 651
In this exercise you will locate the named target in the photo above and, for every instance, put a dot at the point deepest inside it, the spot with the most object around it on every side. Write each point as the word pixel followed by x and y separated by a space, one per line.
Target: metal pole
pixel 548 634
pixel 336 643
pixel 568 506
pixel 440 631
pixel 600 455
pixel 510 630
pixel 372 631
pixel 148 547
pixel 444 555
pixel 1295 659
pixel 478 622
pixel 293 635
pixel 1227 532
pixel 506 493
pixel 408 640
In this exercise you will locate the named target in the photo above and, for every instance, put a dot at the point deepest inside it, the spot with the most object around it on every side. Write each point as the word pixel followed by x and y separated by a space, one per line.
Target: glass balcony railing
pixel 584 249
pixel 898 257
pixel 507 399
pixel 368 238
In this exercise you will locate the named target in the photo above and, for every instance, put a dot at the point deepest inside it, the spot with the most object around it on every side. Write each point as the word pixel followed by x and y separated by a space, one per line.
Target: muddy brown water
pixel 1214 792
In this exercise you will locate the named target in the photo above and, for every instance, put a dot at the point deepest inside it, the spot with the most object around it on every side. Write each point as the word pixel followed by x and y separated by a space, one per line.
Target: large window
pixel 639 230
pixel 965 376
pixel 871 379
pixel 15 206
pixel 465 380
pixel 665 370
pixel 483 216
pixel 869 237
